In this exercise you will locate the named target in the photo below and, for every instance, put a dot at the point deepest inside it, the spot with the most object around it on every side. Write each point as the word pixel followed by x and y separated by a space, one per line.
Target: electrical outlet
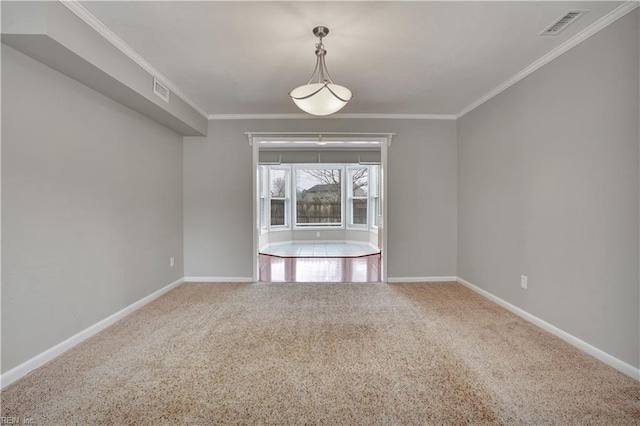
pixel 172 261
pixel 523 281
pixel 318 234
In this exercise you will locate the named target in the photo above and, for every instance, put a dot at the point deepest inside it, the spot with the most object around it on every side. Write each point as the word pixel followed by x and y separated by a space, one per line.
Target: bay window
pixel 343 196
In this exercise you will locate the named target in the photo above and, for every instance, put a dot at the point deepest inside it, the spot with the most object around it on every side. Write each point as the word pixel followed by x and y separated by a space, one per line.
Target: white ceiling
pixel 396 57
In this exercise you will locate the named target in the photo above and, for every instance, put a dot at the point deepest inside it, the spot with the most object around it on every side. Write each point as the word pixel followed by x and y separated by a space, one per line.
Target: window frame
pixel 375 190
pixel 317 226
pixel 263 191
pixel 286 198
pixel 350 198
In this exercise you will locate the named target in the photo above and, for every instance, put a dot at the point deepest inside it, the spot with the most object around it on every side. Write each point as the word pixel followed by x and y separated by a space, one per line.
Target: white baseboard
pixel 51 353
pixel 614 362
pixel 46 356
pixel 218 279
pixel 420 279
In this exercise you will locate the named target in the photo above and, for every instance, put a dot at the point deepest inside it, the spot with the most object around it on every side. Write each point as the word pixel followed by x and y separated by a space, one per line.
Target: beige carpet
pixel 324 353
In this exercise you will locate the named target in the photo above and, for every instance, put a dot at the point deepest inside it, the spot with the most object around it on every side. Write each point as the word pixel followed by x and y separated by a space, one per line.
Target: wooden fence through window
pixel 318 212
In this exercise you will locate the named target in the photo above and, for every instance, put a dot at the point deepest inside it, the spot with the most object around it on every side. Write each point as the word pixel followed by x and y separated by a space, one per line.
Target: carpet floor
pixel 324 354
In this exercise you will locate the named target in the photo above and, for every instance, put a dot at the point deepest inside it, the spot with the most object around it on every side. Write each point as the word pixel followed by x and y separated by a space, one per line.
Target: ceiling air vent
pixel 563 22
pixel 161 90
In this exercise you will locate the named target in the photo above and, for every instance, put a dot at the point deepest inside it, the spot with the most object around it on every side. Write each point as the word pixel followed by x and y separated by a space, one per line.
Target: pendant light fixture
pixel 320 96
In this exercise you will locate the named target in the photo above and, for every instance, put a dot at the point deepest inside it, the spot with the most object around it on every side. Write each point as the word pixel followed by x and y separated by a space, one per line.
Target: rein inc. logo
pixel 16 420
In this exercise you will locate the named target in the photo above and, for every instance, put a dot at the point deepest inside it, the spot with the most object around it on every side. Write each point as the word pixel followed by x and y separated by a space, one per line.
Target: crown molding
pixel 592 29
pixel 97 25
pixel 397 116
pixel 258 116
pixel 81 12
pixel 298 116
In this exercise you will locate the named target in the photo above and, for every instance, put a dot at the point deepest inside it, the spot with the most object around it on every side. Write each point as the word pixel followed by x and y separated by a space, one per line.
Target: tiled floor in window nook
pixel 320 250
pixel 320 262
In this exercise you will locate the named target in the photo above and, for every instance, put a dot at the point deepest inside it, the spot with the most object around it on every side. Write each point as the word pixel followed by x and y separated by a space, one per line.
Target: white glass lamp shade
pixel 322 103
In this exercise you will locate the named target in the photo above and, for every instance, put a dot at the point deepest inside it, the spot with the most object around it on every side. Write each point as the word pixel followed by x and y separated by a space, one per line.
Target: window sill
pixel 316 227
pixel 279 228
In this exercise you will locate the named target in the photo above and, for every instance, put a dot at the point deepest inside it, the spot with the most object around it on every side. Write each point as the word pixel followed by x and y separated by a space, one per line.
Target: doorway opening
pixel 319 208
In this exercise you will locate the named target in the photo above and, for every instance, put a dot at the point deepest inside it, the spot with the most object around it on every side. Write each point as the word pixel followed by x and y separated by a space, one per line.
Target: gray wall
pixel 91 207
pixel 218 239
pixel 548 188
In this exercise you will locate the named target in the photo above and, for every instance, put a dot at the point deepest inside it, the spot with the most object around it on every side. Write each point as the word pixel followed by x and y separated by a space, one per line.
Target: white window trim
pixel 287 199
pixel 373 215
pixel 294 208
pixel 350 198
pixel 263 194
